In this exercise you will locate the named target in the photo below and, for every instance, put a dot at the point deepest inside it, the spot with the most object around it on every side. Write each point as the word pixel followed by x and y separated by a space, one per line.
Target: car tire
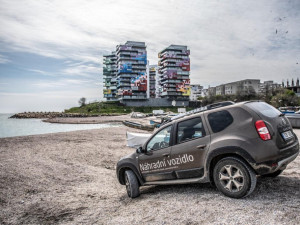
pixel 275 174
pixel 132 184
pixel 234 178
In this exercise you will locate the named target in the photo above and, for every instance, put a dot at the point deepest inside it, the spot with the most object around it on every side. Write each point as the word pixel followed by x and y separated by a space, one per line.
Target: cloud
pixel 4 60
pixel 229 40
pixel 40 72
pixel 82 70
pixel 213 30
pixel 61 82
pixel 48 84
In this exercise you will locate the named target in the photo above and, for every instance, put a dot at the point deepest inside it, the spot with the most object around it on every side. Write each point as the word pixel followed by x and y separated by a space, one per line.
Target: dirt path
pixel 69 178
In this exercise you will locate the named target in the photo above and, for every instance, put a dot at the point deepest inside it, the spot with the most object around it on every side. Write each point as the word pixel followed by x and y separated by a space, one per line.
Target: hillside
pixel 116 108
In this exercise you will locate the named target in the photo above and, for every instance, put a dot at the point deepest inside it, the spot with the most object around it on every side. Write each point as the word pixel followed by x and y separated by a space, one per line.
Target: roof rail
pixel 219 104
pixel 201 109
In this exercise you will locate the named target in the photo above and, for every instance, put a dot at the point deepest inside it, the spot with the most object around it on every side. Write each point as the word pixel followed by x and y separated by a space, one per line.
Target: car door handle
pixel 201 146
pixel 166 154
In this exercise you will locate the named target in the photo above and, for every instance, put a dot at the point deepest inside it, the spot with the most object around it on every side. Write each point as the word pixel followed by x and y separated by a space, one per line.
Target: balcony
pixel 109 61
pixel 170 90
pixel 171 94
pixel 125 58
pixel 113 80
pixel 107 76
pixel 169 81
pixel 125 86
pixel 126 76
pixel 139 67
pixel 134 97
pixel 183 73
pixel 138 70
pixel 139 62
pixel 169 86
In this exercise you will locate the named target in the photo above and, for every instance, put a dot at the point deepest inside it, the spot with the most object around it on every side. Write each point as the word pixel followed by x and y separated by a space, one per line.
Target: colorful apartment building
pixel 152 80
pixel 110 76
pixel 132 71
pixel 174 72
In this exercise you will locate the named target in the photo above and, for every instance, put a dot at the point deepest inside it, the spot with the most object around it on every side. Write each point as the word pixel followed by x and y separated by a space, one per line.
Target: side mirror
pixel 140 150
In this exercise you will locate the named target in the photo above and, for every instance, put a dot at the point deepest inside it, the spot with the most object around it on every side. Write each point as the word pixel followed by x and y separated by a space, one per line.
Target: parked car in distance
pixel 228 146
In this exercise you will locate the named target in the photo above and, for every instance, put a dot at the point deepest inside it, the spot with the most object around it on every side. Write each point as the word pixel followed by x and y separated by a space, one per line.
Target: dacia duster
pixel 228 146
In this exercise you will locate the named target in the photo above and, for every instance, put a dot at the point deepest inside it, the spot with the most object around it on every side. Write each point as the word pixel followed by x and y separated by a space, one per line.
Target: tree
pixel 82 101
pixel 285 98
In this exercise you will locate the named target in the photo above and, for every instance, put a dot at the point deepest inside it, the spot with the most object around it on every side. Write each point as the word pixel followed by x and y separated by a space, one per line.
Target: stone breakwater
pixel 49 115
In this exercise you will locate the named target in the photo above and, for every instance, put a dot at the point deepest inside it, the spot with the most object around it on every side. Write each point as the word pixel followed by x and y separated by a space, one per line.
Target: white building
pixel 220 90
pixel 267 87
pixel 196 92
pixel 247 86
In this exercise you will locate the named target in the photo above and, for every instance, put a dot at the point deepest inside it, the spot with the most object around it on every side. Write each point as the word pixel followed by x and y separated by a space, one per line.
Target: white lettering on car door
pixel 166 164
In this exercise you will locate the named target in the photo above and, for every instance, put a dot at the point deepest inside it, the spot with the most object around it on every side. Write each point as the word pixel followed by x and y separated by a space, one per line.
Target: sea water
pixel 22 127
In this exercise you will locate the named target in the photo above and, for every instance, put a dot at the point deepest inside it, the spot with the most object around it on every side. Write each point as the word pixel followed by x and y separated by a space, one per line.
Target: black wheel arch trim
pixel 133 168
pixel 228 150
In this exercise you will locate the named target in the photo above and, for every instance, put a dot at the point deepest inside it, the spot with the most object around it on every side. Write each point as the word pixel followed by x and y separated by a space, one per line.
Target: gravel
pixel 69 178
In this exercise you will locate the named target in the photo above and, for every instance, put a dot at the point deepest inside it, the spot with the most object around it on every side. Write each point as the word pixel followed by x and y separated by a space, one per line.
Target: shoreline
pixel 87 120
pixel 138 123
pixel 26 127
pixel 49 115
pixel 59 132
pixel 54 120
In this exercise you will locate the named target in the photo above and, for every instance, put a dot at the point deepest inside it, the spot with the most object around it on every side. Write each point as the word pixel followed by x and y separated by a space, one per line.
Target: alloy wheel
pixel 231 178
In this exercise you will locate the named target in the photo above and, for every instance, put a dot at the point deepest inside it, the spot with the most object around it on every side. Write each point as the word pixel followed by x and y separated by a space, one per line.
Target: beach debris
pixel 135 140
pixel 137 115
pixel 138 125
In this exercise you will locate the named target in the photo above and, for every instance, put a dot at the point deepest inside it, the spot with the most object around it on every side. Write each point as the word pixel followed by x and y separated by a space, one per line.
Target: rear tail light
pixel 262 130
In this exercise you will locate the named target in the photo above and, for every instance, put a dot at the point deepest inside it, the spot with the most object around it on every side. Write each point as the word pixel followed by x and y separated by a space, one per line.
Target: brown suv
pixel 225 145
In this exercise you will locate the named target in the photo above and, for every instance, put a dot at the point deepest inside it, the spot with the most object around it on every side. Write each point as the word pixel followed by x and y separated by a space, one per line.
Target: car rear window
pixel 264 108
pixel 218 121
pixel 190 129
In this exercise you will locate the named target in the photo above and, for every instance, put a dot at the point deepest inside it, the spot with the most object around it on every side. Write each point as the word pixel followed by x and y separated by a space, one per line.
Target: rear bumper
pixel 283 163
pixel 286 156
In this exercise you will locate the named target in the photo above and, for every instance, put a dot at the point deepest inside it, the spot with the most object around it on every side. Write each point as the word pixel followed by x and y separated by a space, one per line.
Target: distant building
pixel 242 87
pixel 204 92
pixel 110 76
pixel 268 87
pixel 152 80
pixel 174 72
pixel 196 92
pixel 132 70
pixel 220 90
pixel 211 91
pixel 294 87
pixel 248 86
pixel 128 77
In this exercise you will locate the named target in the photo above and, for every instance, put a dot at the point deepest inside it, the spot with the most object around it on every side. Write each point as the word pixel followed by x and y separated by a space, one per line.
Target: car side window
pixel 190 129
pixel 220 120
pixel 160 140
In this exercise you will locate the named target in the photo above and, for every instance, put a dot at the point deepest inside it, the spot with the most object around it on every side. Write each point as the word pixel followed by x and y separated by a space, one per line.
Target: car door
pixel 153 163
pixel 188 153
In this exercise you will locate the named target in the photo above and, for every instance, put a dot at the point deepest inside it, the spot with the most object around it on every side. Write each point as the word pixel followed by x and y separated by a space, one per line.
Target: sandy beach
pixel 101 119
pixel 69 178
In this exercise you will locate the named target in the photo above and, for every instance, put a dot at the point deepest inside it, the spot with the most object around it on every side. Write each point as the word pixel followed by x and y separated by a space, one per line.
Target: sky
pixel 51 52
